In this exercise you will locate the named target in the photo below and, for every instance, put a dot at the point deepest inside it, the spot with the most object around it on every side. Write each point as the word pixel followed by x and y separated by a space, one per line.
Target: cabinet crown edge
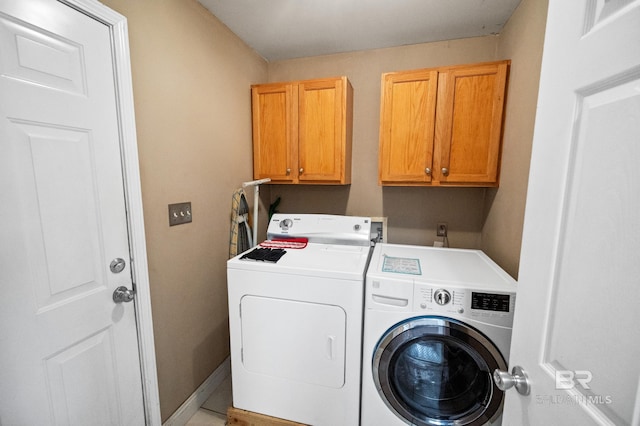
pixel 447 68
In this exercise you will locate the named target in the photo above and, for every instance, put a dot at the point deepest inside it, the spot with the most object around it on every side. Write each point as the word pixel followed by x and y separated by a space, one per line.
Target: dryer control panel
pixel 321 228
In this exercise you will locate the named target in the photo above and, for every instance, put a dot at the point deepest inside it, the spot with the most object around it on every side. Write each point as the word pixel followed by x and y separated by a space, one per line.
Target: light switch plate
pixel 180 213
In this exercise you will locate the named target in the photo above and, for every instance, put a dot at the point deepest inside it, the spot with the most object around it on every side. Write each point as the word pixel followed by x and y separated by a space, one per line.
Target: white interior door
pixel 576 329
pixel 69 353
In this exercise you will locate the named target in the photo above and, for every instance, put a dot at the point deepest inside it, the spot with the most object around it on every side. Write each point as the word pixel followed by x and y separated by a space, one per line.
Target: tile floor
pixel 214 411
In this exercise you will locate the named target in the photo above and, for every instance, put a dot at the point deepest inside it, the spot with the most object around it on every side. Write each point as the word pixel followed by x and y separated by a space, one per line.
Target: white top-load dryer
pixel 296 323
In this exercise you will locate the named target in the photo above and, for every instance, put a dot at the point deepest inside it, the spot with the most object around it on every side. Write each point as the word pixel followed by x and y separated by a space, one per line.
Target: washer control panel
pixel 485 306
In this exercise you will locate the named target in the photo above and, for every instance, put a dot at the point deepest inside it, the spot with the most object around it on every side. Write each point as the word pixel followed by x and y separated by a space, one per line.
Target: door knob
pixel 301 170
pixel 427 171
pixel 445 171
pixel 123 294
pixel 518 379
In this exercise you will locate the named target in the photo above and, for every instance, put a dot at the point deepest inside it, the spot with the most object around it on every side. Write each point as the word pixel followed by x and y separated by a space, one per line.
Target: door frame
pixel 118 29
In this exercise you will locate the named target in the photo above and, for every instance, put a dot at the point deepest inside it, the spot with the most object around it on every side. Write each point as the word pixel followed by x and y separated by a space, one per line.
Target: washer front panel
pixel 437 371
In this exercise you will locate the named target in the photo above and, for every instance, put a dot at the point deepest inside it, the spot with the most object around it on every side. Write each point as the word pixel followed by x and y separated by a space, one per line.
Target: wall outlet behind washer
pixel 379 229
pixel 441 229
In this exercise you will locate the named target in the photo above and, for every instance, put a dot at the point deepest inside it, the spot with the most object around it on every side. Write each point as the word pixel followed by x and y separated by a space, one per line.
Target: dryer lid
pixel 319 260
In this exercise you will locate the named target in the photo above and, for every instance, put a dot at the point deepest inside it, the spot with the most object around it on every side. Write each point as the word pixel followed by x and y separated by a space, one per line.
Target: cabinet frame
pixel 304 134
pixel 464 133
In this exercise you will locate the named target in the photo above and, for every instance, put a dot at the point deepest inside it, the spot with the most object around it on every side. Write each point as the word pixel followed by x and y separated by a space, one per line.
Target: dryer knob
pixel 286 224
pixel 442 297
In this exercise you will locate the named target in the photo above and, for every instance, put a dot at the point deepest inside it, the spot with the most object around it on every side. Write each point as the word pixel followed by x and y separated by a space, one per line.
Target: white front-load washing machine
pixel 296 323
pixel 437 324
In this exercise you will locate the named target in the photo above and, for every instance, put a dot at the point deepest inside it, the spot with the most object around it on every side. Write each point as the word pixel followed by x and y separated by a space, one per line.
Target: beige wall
pixel 412 212
pixel 191 79
pixel 521 41
pixel 490 219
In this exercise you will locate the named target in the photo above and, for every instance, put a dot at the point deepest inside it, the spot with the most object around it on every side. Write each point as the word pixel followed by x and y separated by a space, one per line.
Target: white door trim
pixel 133 197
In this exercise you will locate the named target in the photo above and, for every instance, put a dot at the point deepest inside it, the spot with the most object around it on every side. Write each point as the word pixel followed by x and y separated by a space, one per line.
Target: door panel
pixel 320 130
pixel 407 126
pixel 34 55
pixel 275 132
pixel 87 364
pixel 59 163
pixel 605 139
pixel 69 353
pixel 469 123
pixel 579 281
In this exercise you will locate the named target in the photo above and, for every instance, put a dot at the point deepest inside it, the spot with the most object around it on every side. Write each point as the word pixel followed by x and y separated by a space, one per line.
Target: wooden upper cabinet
pixel 274 131
pixel 407 126
pixel 302 131
pixel 469 123
pixel 456 140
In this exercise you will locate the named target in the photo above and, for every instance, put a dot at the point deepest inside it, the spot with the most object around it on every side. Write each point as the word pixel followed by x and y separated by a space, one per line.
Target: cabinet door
pixel 407 117
pixel 469 123
pixel 324 131
pixel 275 132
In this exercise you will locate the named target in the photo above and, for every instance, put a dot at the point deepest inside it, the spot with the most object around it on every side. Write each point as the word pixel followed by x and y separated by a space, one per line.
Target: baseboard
pixel 182 415
pixel 239 417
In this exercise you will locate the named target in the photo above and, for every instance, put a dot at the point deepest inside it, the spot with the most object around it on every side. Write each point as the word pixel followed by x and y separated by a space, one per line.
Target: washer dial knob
pixel 442 297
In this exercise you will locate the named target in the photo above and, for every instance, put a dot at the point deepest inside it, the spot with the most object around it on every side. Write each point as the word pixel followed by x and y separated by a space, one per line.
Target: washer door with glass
pixel 437 371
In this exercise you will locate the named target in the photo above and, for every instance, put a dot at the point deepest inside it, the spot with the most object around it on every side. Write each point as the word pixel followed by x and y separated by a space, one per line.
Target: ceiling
pixel 286 29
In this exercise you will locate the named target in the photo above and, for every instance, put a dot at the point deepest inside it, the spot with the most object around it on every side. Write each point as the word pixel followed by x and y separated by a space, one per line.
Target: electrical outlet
pixel 379 229
pixel 179 213
pixel 441 229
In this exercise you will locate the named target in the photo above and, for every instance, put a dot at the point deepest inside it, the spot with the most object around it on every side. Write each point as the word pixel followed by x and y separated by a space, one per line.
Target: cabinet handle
pixel 288 172
pixel 445 171
pixel 428 171
pixel 301 170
